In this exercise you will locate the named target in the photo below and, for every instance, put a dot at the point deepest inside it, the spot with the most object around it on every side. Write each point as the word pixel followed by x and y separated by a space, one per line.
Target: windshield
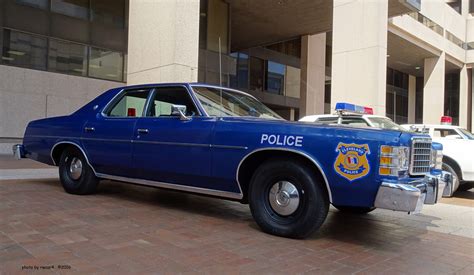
pixel 467 133
pixel 228 103
pixel 385 123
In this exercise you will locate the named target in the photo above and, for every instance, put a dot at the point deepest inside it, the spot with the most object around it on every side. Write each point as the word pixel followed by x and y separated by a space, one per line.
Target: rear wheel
pixel 354 209
pixel 76 176
pixel 286 199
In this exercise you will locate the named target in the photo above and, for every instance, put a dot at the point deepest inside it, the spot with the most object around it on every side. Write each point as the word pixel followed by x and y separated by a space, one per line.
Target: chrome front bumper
pixel 18 151
pixel 410 196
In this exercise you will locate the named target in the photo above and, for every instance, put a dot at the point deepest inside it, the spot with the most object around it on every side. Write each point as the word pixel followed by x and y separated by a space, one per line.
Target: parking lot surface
pixel 128 228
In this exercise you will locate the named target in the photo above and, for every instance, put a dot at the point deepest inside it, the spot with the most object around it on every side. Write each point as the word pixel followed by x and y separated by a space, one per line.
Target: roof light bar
pixel 347 107
pixel 446 120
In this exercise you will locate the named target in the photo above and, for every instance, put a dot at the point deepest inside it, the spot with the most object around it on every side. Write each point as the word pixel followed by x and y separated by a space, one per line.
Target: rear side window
pixel 131 104
pixel 446 132
pixel 358 122
pixel 327 120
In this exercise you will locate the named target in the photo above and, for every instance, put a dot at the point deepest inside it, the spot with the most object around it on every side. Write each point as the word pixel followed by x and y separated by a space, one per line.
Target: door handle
pixel 143 131
pixel 89 129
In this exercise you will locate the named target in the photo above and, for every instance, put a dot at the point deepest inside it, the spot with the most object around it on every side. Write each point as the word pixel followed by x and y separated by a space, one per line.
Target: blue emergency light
pixel 348 107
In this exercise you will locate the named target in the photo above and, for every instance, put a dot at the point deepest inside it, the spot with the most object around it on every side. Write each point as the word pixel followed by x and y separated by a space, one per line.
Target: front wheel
pixel 76 176
pixel 354 209
pixel 287 199
pixel 448 168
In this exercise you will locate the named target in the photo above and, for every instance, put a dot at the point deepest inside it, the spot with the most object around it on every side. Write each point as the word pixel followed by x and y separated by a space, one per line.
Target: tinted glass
pixel 227 103
pixel 110 12
pixel 24 50
pixel 131 104
pixel 327 120
pixel 164 98
pixel 275 77
pixel 41 4
pixel 106 64
pixel 359 122
pixel 446 132
pixel 74 8
pixel 66 57
pixel 256 74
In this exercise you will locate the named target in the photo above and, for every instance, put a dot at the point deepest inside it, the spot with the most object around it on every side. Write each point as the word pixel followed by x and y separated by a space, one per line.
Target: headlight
pixel 393 160
pixel 437 159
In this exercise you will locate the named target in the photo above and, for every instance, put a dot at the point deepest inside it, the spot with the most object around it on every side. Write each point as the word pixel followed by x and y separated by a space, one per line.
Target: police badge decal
pixel 351 162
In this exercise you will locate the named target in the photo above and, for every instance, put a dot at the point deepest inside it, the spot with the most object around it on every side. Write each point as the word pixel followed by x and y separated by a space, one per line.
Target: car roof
pixel 314 117
pixel 196 84
pixel 433 126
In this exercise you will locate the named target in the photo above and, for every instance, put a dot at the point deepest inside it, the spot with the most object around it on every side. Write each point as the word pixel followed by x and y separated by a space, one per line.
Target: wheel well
pixel 253 161
pixel 451 162
pixel 59 149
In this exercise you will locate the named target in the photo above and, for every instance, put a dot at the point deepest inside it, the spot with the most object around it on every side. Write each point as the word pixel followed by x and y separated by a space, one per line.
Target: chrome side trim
pixel 178 187
pixel 229 147
pixel 288 150
pixel 75 144
pixel 171 143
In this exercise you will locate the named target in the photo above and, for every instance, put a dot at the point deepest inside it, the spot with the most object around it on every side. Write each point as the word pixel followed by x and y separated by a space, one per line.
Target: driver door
pixel 171 150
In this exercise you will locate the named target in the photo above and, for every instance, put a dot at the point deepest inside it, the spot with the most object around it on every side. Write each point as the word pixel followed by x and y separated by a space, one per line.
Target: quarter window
pixel 131 104
pixel 164 98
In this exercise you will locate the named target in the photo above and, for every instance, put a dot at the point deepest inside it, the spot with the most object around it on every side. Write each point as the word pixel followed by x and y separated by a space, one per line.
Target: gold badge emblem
pixel 352 162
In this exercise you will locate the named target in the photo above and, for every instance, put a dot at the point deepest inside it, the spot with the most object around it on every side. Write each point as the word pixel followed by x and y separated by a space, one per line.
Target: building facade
pixel 410 60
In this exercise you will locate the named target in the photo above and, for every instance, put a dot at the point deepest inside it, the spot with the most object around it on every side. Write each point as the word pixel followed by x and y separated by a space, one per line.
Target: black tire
pixel 465 186
pixel 84 184
pixel 448 167
pixel 312 208
pixel 354 209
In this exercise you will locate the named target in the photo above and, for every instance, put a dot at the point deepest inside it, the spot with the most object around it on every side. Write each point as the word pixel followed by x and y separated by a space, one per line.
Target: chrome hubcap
pixel 284 198
pixel 75 168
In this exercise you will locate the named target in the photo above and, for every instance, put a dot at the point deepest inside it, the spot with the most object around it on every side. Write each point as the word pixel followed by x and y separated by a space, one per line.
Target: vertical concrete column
pixel 313 74
pixel 359 53
pixel 433 90
pixel 463 97
pixel 411 98
pixel 163 41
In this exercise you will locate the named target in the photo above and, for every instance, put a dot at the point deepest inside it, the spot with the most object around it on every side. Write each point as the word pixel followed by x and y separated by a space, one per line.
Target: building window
pixel 40 4
pixel 240 79
pixel 451 97
pixel 419 100
pixel 275 78
pixel 397 96
pixel 110 12
pixel 105 64
pixel 66 57
pixel 256 73
pixel 456 5
pixel 74 8
pixel 24 50
pixel 471 6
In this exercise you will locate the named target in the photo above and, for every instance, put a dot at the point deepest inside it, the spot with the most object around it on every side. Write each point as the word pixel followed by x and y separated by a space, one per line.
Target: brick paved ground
pixel 126 228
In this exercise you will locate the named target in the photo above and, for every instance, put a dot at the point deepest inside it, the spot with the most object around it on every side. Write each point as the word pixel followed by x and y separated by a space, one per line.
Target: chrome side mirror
pixel 179 110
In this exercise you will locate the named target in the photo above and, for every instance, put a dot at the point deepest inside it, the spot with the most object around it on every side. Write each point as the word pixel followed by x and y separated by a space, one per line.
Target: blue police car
pixel 225 143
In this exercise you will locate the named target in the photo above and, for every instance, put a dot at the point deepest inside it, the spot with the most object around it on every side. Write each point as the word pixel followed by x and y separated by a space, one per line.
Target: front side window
pixel 165 97
pixel 131 104
pixel 227 103
pixel 467 133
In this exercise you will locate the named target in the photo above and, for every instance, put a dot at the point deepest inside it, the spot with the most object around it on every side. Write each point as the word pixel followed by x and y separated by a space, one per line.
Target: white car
pixel 357 120
pixel 458 151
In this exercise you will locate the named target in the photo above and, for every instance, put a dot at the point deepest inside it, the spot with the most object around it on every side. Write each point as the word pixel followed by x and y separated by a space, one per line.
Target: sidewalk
pixel 11 168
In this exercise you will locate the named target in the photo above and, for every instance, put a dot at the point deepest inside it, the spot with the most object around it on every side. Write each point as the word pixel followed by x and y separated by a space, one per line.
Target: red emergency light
pixel 446 120
pixel 131 112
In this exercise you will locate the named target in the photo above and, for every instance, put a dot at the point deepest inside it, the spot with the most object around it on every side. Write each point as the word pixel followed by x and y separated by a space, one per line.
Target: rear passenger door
pixel 107 138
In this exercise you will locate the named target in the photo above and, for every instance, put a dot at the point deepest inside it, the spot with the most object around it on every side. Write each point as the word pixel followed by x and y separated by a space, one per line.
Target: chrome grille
pixel 420 156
